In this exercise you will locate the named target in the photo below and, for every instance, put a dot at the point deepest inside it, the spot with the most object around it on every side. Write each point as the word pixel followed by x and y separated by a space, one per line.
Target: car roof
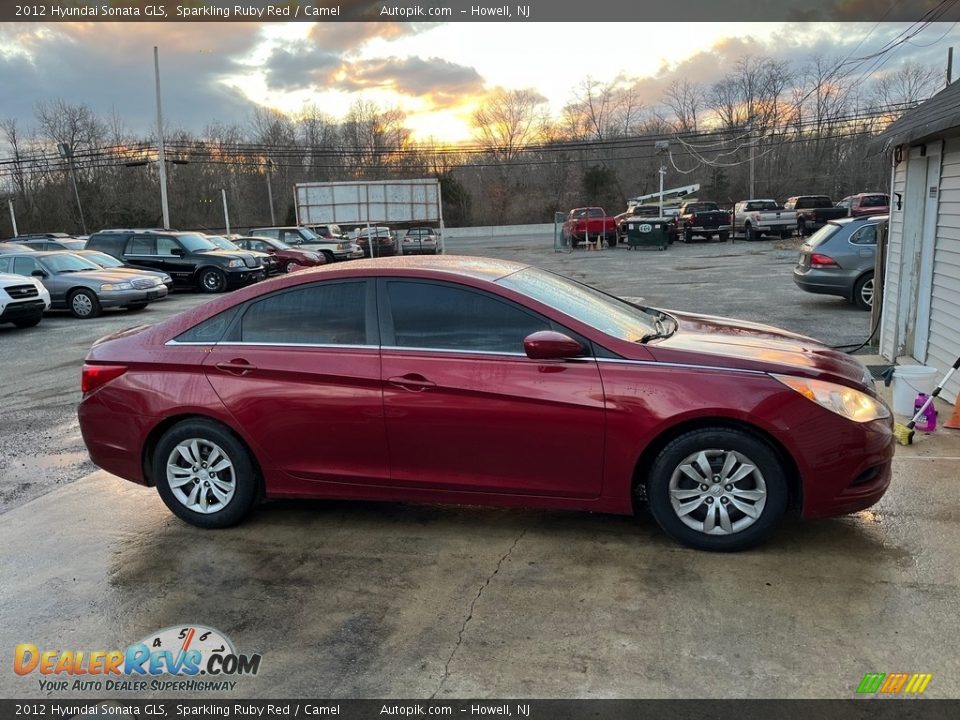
pixel 479 268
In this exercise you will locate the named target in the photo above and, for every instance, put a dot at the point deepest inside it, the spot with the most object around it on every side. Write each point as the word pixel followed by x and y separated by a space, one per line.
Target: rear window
pixel 874 201
pixel 823 234
pixel 762 205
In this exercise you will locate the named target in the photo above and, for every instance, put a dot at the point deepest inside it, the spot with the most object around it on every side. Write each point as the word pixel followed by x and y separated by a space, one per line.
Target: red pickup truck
pixel 589 223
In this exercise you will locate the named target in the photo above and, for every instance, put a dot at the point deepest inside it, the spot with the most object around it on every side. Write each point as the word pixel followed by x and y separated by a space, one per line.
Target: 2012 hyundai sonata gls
pixel 478 381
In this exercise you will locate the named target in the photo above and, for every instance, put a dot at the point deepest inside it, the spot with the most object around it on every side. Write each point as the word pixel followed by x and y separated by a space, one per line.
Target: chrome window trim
pixel 175 342
pixel 501 353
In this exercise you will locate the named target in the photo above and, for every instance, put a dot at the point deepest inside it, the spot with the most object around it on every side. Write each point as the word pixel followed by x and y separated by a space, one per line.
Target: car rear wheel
pixel 717 489
pixel 213 280
pixel 29 322
pixel 724 236
pixel 204 475
pixel 863 292
pixel 749 233
pixel 84 304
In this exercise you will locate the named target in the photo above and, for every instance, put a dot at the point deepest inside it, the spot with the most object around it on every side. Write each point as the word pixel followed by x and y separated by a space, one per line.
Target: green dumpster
pixel 647 232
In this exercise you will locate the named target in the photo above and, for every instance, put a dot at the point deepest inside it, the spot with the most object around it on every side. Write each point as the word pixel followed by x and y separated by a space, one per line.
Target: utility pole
pixel 949 65
pixel 226 214
pixel 66 152
pixel 662 147
pixel 273 219
pixel 13 217
pixel 165 208
pixel 751 196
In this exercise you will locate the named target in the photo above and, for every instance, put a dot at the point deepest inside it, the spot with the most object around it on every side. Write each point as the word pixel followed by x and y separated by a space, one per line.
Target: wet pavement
pixel 391 600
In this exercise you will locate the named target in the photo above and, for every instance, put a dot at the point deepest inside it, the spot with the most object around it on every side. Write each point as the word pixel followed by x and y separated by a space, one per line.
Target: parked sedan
pixel 839 259
pixel 479 381
pixel 109 262
pixel 287 258
pixel 82 287
pixel 419 241
pixel 379 238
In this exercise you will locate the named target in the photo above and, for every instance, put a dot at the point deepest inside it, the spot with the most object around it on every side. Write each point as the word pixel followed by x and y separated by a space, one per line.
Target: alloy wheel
pixel 866 293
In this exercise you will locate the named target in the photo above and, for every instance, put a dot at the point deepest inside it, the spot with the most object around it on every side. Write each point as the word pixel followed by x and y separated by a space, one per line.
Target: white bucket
pixel 908 380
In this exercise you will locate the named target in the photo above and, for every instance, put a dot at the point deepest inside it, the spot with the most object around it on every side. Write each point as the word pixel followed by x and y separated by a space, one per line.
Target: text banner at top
pixel 839 11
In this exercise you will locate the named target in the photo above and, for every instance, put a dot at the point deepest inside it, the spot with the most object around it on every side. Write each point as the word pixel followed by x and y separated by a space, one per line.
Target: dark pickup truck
pixel 813 212
pixel 702 219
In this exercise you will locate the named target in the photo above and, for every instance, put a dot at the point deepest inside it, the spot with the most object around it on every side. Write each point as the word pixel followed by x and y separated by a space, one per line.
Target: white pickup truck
pixel 763 217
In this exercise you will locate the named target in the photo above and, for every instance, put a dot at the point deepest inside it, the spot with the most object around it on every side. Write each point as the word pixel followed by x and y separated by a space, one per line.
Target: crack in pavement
pixel 466 621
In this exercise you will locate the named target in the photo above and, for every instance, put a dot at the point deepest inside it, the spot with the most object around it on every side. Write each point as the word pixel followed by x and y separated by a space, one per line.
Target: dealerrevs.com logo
pixel 206 657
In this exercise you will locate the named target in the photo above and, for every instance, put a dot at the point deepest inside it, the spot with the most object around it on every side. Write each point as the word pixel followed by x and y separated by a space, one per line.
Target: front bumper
pixel 121 298
pixel 244 276
pixel 354 252
pixel 16 310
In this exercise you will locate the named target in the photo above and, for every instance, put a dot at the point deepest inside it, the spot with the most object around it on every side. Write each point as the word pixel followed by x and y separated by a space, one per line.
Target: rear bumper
pixel 824 282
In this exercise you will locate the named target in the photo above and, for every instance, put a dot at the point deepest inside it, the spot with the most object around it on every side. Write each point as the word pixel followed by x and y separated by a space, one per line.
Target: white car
pixel 22 300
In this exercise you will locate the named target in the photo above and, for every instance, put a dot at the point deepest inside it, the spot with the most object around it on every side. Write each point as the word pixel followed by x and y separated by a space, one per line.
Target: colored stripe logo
pixel 894 683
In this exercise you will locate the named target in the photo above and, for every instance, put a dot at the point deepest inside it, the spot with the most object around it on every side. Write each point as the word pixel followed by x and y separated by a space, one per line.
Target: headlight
pixel 343 246
pixel 851 404
pixel 235 263
pixel 109 287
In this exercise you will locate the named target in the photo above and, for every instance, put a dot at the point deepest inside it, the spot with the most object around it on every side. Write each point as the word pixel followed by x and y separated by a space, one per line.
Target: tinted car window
pixel 873 201
pixel 5 264
pixel 210 330
pixel 142 246
pixel 195 243
pixel 166 246
pixel 865 236
pixel 25 265
pixel 444 317
pixel 319 314
pixel 822 235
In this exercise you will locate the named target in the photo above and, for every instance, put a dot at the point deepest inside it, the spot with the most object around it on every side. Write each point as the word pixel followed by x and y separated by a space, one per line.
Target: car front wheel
pixel 717 489
pixel 213 281
pixel 84 304
pixel 204 475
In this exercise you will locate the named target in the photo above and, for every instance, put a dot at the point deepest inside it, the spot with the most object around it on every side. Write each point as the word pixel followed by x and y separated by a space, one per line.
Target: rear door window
pixel 141 245
pixel 330 313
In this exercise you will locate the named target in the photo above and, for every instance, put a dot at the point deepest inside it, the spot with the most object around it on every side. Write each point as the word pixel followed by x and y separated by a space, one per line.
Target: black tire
pixel 243 473
pixel 84 304
pixel 212 280
pixel 725 441
pixel 863 291
pixel 802 228
pixel 749 234
pixel 328 256
pixel 137 307
pixel 29 322
pixel 688 236
pixel 786 234
pixel 724 236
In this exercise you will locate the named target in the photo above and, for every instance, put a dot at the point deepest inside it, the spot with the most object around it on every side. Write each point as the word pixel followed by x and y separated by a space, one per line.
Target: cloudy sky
pixel 438 74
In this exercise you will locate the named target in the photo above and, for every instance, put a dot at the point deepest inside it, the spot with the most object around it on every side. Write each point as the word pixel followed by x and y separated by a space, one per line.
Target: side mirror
pixel 38 273
pixel 550 345
pixel 176 251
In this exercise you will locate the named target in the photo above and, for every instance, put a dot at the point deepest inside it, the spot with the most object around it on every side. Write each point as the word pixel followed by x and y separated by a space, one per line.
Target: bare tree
pixel 907 86
pixel 686 101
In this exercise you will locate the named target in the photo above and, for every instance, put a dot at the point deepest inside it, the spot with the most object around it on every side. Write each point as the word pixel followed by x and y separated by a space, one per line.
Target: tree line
pixel 809 128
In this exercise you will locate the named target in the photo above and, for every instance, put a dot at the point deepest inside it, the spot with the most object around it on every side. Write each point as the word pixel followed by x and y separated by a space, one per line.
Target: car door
pixel 141 252
pixel 467 410
pixel 300 371
pixel 55 284
pixel 174 259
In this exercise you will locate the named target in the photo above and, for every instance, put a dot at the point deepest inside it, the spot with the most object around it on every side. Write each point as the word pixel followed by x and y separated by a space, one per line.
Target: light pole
pixel 226 213
pixel 160 147
pixel 66 152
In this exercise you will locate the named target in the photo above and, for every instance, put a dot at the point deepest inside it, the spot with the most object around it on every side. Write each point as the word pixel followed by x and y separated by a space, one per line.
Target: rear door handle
pixel 413 382
pixel 237 366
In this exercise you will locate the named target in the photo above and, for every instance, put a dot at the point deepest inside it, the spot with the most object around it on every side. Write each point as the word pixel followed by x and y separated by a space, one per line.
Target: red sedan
pixel 478 381
pixel 288 258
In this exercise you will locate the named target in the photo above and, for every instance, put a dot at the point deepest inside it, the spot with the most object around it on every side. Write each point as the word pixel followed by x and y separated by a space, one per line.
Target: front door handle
pixel 414 382
pixel 237 366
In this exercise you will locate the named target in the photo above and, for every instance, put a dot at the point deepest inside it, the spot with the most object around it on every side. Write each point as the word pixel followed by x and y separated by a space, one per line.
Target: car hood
pixel 113 275
pixel 231 254
pixel 707 339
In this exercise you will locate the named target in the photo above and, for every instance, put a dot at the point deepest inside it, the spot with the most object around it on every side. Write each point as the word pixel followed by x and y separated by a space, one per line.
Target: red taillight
pixel 818 260
pixel 93 376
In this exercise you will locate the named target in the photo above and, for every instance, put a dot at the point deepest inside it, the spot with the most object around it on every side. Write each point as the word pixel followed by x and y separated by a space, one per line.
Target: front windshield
pixel 308 235
pixel 603 312
pixel 195 243
pixel 72 244
pixel 67 263
pixel 278 245
pixel 823 234
pixel 222 242
pixel 102 259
